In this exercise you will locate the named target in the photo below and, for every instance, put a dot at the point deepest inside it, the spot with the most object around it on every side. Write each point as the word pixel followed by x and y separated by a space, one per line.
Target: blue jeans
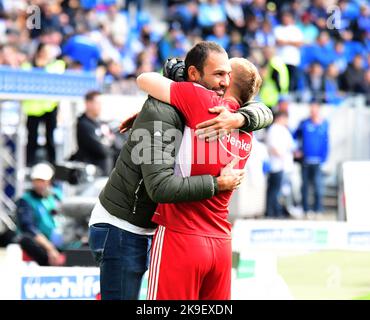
pixel 273 207
pixel 123 258
pixel 311 175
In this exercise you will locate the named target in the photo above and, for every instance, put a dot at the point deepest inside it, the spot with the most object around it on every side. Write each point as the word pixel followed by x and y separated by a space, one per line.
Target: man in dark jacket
pixel 94 138
pixel 121 229
pixel 353 79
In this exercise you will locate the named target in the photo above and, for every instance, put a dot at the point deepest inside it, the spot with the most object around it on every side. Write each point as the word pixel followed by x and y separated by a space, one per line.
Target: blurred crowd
pixel 318 48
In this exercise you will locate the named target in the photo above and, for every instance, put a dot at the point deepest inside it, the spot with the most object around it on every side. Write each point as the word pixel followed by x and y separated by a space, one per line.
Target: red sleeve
pixel 180 96
pixel 192 100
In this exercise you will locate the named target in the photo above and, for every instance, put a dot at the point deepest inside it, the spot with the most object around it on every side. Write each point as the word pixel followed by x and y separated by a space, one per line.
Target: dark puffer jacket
pixel 134 189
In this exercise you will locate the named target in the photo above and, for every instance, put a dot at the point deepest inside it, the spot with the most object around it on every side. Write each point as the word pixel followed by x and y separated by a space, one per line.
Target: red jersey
pixel 197 157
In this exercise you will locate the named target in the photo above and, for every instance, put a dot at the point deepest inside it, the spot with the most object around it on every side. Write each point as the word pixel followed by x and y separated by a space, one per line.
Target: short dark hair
pixel 90 96
pixel 198 55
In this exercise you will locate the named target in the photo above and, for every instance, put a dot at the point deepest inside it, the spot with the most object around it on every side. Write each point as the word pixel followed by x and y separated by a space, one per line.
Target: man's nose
pixel 225 81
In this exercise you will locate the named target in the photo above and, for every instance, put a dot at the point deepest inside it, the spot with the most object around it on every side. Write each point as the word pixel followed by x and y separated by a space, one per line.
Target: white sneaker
pixel 296 213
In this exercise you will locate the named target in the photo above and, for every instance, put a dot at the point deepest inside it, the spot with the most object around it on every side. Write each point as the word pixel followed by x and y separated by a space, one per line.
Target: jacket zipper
pixel 136 196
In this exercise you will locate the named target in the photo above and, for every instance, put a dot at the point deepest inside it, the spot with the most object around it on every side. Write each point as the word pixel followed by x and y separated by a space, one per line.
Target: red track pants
pixel 189 267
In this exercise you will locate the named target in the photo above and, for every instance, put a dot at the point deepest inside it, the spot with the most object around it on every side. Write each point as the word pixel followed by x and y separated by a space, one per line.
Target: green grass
pixel 327 275
pixel 365 297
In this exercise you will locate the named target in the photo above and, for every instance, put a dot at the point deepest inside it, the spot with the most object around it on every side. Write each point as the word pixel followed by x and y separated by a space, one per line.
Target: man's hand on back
pixel 221 125
pixel 230 178
pixel 127 124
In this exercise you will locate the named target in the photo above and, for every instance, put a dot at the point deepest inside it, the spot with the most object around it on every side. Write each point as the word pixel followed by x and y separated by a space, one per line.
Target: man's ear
pixel 193 74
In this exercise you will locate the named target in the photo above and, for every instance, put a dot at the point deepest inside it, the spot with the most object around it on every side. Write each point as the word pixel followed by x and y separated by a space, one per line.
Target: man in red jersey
pixel 191 253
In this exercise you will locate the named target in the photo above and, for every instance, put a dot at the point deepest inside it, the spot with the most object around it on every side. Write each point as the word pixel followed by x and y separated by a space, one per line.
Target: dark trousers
pixel 34 250
pixel 273 207
pixel 123 258
pixel 294 73
pixel 50 120
pixel 312 176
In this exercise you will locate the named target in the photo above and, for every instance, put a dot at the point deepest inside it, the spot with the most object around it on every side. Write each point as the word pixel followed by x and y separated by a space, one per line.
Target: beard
pixel 220 90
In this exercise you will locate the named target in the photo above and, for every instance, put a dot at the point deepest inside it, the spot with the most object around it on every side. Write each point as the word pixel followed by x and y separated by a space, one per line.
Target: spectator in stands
pixel 237 47
pixel 315 82
pixel 353 46
pixel 94 32
pixel 12 36
pixel 250 32
pixel 172 44
pixel 284 104
pixel 114 70
pixel 52 37
pixel 40 236
pixel 275 78
pixel 350 11
pixel 331 85
pixel 45 111
pixel 280 145
pixel 309 30
pixel 102 36
pixel 139 5
pixel 265 37
pixel 209 13
pixel 353 79
pixel 296 7
pixel 323 50
pixel 367 86
pixel 235 15
pixel 10 56
pixel 65 27
pixel 257 9
pixel 50 18
pixel 94 138
pixel 312 136
pixel 219 35
pixel 144 62
pixel 185 13
pixel 117 21
pixel 289 39
pixel 363 21
pixel 341 56
pixel 80 47
pixel 319 13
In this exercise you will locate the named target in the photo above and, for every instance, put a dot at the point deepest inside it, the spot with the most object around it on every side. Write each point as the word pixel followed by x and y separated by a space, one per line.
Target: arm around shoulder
pixel 257 116
pixel 155 85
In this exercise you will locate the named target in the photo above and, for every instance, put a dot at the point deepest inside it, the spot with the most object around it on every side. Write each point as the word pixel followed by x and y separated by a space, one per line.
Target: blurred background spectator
pixel 39 111
pixel 280 146
pixel 312 136
pixel 289 39
pixel 40 236
pixel 94 138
